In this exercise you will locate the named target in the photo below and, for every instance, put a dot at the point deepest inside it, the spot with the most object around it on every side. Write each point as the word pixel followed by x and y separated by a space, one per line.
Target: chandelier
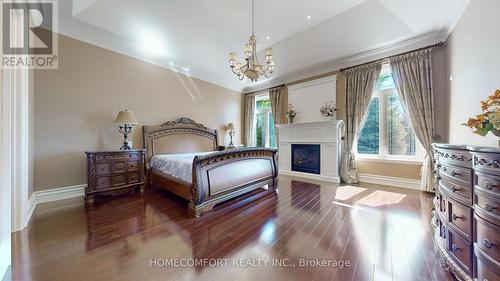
pixel 251 67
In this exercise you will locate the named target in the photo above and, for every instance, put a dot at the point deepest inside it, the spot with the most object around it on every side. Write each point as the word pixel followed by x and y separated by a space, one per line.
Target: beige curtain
pixel 279 99
pixel 249 119
pixel 360 82
pixel 412 75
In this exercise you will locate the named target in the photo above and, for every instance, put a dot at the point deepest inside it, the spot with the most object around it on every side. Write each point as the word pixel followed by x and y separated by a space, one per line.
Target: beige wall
pixel 75 107
pixel 474 61
pixel 401 170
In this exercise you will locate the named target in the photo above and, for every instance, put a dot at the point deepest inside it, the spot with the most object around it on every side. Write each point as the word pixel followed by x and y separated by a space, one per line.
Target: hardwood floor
pixel 371 233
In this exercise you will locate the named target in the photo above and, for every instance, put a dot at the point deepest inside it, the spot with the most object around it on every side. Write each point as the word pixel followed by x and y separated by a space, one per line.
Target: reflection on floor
pixel 357 232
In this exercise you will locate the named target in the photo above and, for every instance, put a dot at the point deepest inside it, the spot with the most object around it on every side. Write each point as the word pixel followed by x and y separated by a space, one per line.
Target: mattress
pixel 177 165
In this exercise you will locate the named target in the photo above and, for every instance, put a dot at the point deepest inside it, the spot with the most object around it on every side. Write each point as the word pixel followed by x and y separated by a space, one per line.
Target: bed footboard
pixel 224 175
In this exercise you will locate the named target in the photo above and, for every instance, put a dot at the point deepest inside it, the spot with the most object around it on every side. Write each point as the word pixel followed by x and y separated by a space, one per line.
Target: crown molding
pixel 454 17
pixel 374 53
pixel 106 40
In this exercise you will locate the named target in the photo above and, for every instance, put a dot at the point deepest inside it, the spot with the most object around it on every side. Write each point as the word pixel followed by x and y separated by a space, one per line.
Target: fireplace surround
pixel 324 136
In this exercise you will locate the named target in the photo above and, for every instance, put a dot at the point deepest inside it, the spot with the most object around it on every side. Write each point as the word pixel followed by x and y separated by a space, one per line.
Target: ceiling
pixel 309 37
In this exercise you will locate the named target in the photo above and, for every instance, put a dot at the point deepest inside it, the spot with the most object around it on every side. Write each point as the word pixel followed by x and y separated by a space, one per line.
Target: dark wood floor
pixel 383 233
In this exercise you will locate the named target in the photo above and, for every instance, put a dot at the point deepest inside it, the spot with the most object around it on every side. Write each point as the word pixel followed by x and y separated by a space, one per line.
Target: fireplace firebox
pixel 306 158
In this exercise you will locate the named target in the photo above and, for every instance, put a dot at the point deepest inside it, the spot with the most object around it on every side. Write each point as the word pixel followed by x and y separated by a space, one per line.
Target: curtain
pixel 249 119
pixel 360 83
pixel 278 97
pixel 412 74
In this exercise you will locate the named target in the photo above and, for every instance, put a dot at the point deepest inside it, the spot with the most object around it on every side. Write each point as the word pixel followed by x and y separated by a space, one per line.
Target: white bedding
pixel 176 165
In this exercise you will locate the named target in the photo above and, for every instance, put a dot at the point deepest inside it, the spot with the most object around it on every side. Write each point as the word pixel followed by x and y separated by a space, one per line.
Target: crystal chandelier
pixel 251 67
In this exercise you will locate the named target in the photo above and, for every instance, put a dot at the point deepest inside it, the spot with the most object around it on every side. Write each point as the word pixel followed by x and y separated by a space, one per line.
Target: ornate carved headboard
pixel 179 136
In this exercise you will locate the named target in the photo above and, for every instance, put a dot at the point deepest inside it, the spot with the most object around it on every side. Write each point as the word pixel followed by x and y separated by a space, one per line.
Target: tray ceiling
pixel 194 37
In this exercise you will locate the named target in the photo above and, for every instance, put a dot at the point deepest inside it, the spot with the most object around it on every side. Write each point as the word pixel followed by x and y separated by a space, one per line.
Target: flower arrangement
pixel 291 112
pixel 489 120
pixel 328 109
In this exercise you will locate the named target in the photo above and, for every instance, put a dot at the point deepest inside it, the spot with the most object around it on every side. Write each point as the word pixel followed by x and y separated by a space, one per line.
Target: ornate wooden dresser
pixel 114 172
pixel 467 215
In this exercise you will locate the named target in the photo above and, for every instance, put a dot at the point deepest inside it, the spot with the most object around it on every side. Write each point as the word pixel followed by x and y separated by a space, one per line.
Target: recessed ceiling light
pixel 308 17
pixel 267 37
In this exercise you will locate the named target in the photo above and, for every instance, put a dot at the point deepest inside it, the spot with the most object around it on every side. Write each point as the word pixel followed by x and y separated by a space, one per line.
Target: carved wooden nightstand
pixel 114 172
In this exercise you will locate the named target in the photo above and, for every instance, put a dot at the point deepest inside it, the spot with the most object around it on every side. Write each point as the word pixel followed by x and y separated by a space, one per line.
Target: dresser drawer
pixel 455 157
pixel 485 272
pixel 488 205
pixel 488 163
pixel 119 166
pixel 488 238
pixel 460 250
pixel 133 177
pixel 120 179
pixel 103 169
pixel 486 268
pixel 461 191
pixel 458 175
pixel 103 182
pixel 441 204
pixel 460 216
pixel 441 231
pixel 133 165
pixel 487 182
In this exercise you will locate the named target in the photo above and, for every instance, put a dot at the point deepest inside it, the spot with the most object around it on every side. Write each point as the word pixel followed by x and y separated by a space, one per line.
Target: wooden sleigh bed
pixel 215 177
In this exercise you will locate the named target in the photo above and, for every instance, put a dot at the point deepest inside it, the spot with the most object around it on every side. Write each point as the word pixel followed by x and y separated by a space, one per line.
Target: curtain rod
pixel 437 45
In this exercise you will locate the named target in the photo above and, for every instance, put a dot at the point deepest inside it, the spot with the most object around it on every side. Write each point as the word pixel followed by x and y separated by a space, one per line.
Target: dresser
pixel 114 172
pixel 466 215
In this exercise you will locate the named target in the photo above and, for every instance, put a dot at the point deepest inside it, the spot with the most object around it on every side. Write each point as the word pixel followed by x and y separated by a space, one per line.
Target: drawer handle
pixel 487 243
pixel 455 217
pixel 488 185
pixel 453 173
pixel 454 248
pixel 454 189
pixel 489 208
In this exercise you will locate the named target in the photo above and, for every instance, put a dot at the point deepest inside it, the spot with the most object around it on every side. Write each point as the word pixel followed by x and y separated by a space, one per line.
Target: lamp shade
pixel 230 127
pixel 126 117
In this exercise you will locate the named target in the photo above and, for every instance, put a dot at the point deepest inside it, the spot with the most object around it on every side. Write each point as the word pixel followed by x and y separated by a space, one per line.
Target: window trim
pixel 383 155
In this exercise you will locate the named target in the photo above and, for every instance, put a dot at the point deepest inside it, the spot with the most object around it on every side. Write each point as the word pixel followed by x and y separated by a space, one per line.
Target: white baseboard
pixel 30 208
pixel 390 181
pixel 52 195
pixel 309 176
pixel 56 194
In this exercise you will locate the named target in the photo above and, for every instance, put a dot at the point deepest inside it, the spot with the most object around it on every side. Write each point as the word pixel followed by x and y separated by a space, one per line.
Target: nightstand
pixel 114 172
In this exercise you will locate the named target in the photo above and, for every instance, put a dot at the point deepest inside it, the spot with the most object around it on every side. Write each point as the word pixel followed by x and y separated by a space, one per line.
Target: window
pixel 386 132
pixel 264 123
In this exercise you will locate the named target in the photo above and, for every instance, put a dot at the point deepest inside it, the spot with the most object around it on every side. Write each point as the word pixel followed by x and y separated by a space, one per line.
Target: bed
pixel 182 157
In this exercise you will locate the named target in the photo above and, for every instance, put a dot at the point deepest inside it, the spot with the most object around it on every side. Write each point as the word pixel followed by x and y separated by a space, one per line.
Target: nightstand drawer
pixel 119 166
pixel 103 182
pixel 133 165
pixel 133 177
pixel 120 179
pixel 103 169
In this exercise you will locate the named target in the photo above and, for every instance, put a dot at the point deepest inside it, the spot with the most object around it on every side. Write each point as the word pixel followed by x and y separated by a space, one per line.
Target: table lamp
pixel 126 121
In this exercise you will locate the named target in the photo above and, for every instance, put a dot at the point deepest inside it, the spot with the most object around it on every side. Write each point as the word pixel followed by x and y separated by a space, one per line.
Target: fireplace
pixel 306 158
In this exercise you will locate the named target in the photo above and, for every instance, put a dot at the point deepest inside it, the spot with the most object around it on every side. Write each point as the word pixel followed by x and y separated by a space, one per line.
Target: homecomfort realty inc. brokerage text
pixel 247 262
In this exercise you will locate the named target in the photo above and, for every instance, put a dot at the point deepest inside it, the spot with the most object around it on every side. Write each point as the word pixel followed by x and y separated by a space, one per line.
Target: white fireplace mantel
pixel 325 133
